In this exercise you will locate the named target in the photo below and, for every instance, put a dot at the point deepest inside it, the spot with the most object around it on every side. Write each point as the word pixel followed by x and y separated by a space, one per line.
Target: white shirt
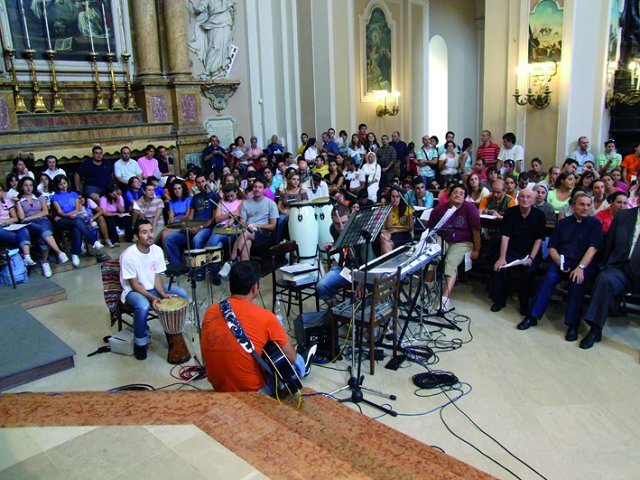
pixel 311 154
pixel 126 169
pixel 321 191
pixel 515 153
pixel 141 266
pixel 354 178
pixel 54 173
pixel 373 170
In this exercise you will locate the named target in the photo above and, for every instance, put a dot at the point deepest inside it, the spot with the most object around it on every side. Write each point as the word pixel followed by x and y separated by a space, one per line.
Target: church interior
pixel 114 73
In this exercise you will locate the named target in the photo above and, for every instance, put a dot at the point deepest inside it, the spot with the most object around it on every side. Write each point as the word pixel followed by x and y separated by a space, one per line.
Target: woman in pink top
pixel 224 217
pixel 112 206
pixel 148 164
pixel 254 151
pixel 32 209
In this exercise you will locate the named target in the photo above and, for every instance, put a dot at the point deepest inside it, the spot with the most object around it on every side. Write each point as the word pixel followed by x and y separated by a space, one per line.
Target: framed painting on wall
pixel 378 46
pixel 72 28
pixel 546 19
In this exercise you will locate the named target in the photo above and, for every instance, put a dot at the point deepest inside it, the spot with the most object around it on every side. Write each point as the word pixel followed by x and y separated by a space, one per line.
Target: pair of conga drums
pixel 172 313
pixel 309 225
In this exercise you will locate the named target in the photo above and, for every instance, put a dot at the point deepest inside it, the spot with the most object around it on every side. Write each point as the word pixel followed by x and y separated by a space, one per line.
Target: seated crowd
pixel 585 202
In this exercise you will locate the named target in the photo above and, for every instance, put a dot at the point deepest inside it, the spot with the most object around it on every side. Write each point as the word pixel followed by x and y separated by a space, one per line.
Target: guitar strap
pixel 237 331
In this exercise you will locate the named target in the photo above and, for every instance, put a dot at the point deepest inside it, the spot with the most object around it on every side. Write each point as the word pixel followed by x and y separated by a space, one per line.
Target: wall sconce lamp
pixel 538 77
pixel 382 110
pixel 632 97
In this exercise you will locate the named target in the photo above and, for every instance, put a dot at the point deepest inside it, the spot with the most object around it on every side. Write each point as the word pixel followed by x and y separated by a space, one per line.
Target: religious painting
pixel 72 28
pixel 378 52
pixel 613 51
pixel 545 30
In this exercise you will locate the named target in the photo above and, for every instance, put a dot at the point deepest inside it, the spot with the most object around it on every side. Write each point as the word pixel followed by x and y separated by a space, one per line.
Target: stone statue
pixel 212 35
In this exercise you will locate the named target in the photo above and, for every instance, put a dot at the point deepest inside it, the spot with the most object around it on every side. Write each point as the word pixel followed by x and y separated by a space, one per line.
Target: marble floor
pixel 569 413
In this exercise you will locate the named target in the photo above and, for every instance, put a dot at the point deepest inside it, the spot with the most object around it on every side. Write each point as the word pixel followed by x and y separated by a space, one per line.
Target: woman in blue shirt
pixel 133 193
pixel 180 203
pixel 67 209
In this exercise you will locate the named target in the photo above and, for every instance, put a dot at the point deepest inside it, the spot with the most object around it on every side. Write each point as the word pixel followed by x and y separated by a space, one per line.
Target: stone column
pixel 145 23
pixel 177 41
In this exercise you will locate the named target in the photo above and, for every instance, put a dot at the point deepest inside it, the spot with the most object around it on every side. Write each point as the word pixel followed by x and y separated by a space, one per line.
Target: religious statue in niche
pixel 213 22
pixel 545 30
pixel 70 27
pixel 378 52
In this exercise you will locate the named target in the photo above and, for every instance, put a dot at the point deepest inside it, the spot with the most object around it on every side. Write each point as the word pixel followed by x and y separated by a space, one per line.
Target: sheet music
pixel 445 218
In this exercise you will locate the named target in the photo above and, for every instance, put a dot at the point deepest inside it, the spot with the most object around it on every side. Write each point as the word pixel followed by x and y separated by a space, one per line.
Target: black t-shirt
pixel 164 166
pixel 96 175
pixel 523 232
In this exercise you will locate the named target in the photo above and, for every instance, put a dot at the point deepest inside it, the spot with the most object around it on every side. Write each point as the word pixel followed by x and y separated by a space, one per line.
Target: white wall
pixel 455 22
pixel 438 87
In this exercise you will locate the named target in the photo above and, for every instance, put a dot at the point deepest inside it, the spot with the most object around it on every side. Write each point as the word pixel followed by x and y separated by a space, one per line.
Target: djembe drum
pixel 172 313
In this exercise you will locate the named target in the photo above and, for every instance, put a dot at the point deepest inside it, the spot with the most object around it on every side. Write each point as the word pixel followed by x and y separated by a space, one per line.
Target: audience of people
pixel 586 194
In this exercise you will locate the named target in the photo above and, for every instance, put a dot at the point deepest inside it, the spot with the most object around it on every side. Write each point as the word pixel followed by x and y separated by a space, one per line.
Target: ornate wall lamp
pixel 538 78
pixel 382 110
pixel 632 96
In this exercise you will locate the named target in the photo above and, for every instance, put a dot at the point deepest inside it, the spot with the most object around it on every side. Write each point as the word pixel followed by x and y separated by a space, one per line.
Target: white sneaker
pixel 75 260
pixel 99 246
pixel 46 270
pixel 226 268
pixel 28 261
pixel 108 243
pixel 62 258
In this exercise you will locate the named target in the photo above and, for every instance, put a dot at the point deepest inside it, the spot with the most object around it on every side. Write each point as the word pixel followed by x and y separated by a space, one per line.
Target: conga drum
pixel 303 229
pixel 172 313
pixel 323 210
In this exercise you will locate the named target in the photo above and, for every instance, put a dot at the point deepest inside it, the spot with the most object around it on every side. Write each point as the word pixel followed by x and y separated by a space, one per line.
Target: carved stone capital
pixel 218 92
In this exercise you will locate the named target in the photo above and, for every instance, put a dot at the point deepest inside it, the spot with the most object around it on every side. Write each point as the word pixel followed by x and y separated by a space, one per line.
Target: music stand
pixel 360 229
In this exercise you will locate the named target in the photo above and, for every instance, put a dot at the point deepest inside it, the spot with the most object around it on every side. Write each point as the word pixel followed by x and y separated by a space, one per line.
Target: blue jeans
pixel 39 229
pixel 177 240
pixel 270 387
pixel 16 237
pixel 141 307
pixel 331 284
pixel 79 230
pixel 281 225
pixel 575 295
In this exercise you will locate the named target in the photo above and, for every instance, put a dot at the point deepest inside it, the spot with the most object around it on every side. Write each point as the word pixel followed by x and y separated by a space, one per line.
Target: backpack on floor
pixel 17 266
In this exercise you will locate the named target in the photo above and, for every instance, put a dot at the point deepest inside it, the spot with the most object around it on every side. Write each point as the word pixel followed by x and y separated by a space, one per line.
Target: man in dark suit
pixel 575 241
pixel 620 274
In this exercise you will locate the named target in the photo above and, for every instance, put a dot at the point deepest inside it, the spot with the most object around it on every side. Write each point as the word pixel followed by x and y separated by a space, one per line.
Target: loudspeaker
pixel 313 328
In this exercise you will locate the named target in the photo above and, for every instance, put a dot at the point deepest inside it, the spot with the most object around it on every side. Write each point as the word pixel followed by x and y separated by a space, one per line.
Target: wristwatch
pixel 582 266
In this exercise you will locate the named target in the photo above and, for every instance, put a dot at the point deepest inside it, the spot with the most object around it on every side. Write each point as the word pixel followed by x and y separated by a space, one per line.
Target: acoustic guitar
pixel 285 378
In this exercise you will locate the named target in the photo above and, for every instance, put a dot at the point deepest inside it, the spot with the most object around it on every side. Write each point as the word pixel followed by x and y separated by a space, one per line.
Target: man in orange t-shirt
pixel 630 165
pixel 229 367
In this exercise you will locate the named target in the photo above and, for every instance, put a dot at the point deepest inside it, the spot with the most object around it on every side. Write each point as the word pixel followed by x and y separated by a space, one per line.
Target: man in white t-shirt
pixel 140 267
pixel 125 168
pixel 511 151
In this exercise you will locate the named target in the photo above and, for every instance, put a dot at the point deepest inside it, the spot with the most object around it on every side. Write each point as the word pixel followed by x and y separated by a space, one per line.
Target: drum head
pixel 194 252
pixel 321 201
pixel 172 304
